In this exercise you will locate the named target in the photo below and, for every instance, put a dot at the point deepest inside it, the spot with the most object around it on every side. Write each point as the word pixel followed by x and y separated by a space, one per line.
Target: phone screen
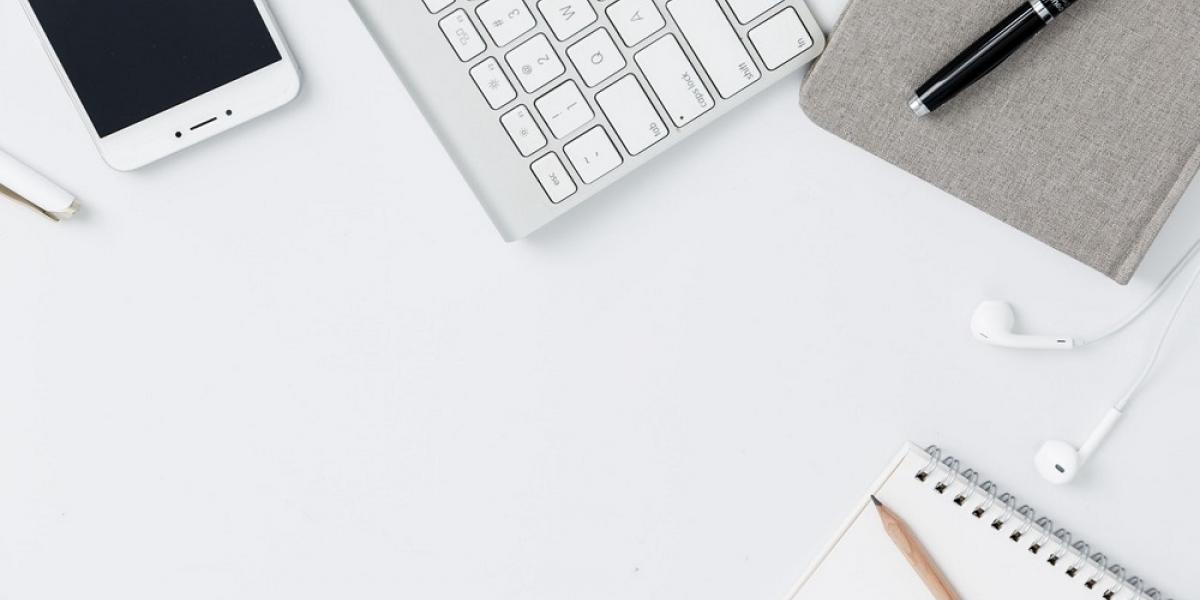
pixel 129 60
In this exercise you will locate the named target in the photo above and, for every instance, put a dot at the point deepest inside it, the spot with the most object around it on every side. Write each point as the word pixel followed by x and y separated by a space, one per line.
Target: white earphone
pixel 994 323
pixel 1059 462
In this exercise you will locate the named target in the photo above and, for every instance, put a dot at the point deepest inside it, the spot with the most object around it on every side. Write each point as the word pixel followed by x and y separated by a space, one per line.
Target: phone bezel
pixel 196 120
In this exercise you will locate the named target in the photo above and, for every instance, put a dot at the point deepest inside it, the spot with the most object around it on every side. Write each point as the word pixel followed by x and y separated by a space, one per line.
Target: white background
pixel 298 362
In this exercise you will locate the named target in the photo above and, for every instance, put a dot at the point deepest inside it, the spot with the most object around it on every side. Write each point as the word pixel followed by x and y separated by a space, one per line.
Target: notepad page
pixel 981 563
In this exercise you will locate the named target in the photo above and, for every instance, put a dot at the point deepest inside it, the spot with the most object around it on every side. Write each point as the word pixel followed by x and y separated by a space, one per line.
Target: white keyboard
pixel 543 103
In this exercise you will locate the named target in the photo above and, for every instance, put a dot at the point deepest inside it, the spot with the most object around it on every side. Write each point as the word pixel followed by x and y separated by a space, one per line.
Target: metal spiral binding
pixel 1090 568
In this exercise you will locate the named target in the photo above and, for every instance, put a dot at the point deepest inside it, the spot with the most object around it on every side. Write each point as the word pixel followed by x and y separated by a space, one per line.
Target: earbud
pixel 994 323
pixel 1059 462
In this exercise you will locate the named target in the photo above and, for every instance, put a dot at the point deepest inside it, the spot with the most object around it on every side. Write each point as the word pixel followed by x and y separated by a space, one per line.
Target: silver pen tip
pixel 918 106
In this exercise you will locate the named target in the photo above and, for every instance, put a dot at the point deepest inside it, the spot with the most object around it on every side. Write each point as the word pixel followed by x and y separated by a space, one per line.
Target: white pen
pixel 23 184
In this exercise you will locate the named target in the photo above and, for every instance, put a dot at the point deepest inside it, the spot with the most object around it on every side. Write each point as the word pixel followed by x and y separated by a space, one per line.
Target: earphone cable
pixel 1154 297
pixel 1162 341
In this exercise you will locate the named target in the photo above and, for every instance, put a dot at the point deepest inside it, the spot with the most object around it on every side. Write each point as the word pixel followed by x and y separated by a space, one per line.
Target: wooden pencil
pixel 917 556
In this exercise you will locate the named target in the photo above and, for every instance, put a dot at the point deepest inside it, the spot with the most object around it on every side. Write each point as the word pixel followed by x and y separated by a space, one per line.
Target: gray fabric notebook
pixel 1085 140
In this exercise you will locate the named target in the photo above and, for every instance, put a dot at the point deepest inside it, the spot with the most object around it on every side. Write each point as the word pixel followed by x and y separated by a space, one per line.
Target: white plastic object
pixel 994 323
pixel 31 187
pixel 1059 462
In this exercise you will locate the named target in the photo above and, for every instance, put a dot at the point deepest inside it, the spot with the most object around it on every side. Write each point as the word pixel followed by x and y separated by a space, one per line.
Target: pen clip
pixel 55 216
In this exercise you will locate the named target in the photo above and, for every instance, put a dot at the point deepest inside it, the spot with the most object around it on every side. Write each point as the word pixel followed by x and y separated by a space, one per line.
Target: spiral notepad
pixel 989 545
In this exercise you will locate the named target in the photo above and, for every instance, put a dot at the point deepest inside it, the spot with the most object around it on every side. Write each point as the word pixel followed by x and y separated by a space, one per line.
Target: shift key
pixel 674 80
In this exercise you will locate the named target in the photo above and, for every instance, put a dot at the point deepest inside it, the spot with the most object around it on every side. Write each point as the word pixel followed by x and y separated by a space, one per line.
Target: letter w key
pixel 567 17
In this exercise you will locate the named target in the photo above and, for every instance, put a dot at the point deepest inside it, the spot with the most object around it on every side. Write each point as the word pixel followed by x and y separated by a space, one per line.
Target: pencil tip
pixel 876 500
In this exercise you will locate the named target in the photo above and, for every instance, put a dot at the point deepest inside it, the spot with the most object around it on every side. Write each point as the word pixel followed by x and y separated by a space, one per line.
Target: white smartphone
pixel 152 77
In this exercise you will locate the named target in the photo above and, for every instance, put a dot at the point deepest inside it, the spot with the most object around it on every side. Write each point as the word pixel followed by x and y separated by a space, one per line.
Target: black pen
pixel 986 54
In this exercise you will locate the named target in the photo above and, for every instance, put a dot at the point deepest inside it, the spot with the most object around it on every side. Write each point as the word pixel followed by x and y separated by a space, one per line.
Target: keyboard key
pixel 505 20
pixel 593 154
pixel 564 109
pixel 749 10
pixel 781 38
pixel 596 57
pixel 523 130
pixel 567 17
pixel 716 44
pixel 493 83
pixel 674 80
pixel 631 114
pixel 462 35
pixel 554 178
pixel 535 63
pixel 635 20
pixel 437 6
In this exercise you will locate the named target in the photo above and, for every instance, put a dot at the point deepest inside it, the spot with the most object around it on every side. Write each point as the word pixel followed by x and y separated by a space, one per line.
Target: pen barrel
pixel 983 56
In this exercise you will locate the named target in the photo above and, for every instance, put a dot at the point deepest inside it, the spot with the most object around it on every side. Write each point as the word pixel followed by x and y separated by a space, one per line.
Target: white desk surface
pixel 297 362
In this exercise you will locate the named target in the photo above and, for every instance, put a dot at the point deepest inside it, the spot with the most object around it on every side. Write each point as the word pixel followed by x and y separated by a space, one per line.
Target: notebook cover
pixel 1085 139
